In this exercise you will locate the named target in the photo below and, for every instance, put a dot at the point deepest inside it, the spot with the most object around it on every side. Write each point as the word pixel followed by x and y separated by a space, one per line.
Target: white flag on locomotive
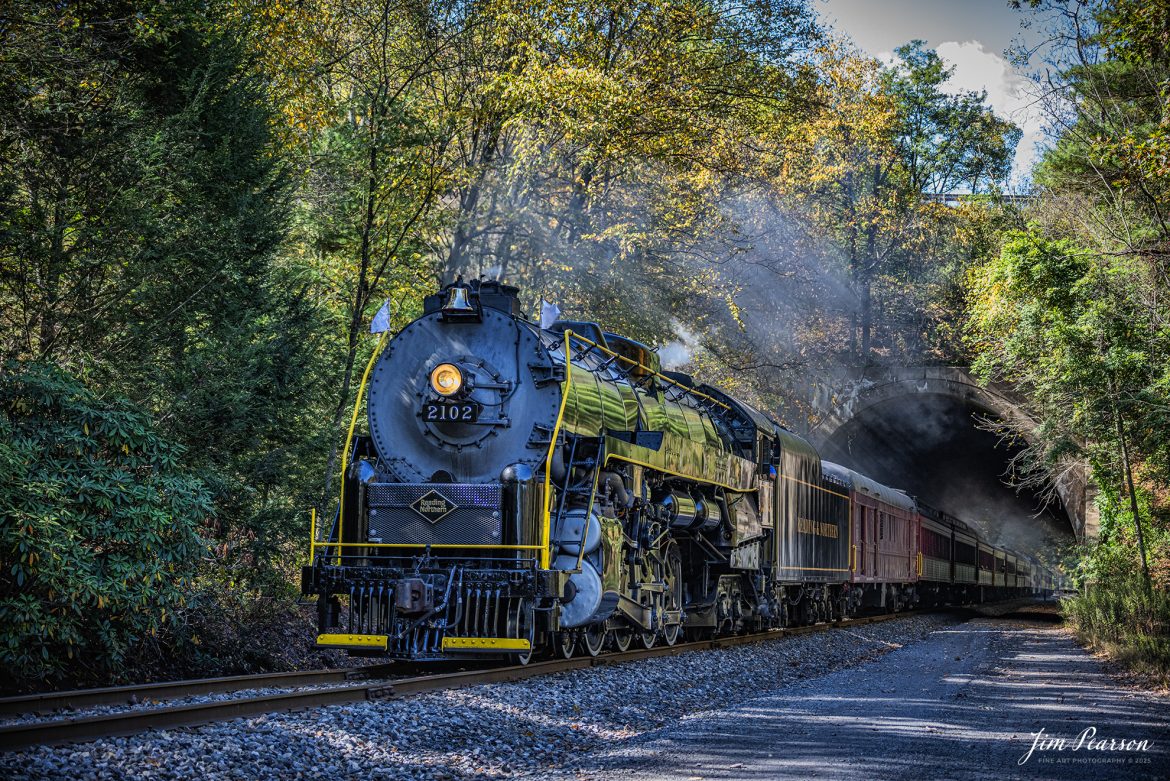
pixel 549 312
pixel 381 321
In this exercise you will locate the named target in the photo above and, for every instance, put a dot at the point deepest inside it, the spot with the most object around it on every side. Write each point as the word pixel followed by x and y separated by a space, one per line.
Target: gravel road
pixel 966 703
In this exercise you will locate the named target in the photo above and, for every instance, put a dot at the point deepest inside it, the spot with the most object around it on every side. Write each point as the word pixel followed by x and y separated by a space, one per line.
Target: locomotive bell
pixel 459 305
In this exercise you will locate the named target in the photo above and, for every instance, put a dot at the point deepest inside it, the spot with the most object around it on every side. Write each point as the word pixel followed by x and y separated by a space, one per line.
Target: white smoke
pixel 680 352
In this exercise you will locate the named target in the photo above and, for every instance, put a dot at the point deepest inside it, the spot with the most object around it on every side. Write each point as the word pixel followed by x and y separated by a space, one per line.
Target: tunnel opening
pixel 930 445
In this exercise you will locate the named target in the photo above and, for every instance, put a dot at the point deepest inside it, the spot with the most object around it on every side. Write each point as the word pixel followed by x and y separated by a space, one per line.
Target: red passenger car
pixel 883 532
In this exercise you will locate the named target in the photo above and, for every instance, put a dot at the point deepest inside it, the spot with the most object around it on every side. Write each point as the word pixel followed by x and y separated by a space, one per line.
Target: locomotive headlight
pixel 446 379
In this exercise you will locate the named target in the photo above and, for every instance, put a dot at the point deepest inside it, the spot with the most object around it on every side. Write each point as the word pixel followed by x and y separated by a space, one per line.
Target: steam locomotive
pixel 527 490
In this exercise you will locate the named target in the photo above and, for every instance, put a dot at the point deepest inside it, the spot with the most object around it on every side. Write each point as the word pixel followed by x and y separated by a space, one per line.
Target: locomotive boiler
pixel 524 489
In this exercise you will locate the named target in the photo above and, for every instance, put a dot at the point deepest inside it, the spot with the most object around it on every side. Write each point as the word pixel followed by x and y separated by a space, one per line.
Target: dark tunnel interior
pixel 930 446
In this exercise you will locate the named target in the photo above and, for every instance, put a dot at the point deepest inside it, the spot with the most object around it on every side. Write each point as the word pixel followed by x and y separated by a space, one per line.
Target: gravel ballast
pixel 486 731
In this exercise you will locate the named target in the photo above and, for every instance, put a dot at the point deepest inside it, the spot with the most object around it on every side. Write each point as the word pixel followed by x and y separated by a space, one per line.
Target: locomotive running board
pixel 364 642
pixel 486 644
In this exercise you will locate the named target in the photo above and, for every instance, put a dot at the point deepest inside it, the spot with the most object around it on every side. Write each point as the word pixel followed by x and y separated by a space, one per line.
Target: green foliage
pixel 99 527
pixel 862 171
pixel 1073 312
pixel 1114 152
pixel 1069 328
pixel 1029 302
pixel 143 202
pixel 135 192
pixel 946 143
pixel 1127 621
pixel 1115 611
pixel 584 182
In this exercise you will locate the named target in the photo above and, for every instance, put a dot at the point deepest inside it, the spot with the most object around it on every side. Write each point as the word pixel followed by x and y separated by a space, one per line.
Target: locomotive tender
pixel 524 489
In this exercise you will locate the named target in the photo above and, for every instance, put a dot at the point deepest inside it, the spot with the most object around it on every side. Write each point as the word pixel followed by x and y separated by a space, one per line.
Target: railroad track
pixel 141 693
pixel 357 684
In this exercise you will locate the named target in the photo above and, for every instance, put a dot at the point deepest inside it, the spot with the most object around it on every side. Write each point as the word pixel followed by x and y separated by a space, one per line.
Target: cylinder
pixel 681 510
pixel 708 515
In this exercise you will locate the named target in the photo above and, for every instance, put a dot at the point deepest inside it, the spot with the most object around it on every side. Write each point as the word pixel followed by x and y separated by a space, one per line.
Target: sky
pixel 971 35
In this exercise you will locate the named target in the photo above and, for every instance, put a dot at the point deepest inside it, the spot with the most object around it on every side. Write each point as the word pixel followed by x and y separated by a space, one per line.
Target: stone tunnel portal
pixel 930 445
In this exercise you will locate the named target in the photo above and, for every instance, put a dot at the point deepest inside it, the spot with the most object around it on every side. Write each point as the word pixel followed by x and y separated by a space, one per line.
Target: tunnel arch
pixel 862 413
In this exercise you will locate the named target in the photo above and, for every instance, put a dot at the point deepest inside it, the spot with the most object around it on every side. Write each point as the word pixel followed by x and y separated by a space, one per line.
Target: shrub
pixel 1119 615
pixel 98 528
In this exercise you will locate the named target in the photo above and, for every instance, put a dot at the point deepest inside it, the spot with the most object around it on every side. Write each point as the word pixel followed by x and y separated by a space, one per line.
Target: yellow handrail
pixel 357 405
pixel 312 535
pixel 659 375
pixel 546 520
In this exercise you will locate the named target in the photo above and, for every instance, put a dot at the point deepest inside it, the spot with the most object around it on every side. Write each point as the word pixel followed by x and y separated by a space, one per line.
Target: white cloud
pixel 976 68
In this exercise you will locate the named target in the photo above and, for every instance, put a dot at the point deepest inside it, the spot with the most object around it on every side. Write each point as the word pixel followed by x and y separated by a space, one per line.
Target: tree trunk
pixel 469 202
pixel 866 319
pixel 360 299
pixel 1133 503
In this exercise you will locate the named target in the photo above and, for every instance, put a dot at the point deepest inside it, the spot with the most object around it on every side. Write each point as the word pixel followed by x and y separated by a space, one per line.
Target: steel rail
pixel 45 702
pixel 84 728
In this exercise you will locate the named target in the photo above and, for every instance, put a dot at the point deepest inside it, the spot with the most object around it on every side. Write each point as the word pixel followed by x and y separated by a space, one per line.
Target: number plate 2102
pixel 437 412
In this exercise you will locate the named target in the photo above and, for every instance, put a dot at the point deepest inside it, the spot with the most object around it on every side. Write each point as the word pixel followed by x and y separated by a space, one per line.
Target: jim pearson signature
pixel 1086 740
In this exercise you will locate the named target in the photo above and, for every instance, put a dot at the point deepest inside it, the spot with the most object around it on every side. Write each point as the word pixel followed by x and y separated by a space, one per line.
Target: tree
pixel 99 528
pixel 1059 322
pixel 1089 274
pixel 885 138
pixel 611 135
pixel 946 142
pixel 142 201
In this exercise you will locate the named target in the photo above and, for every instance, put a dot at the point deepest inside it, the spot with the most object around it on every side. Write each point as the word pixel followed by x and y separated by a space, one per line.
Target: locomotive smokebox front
pixel 464 392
